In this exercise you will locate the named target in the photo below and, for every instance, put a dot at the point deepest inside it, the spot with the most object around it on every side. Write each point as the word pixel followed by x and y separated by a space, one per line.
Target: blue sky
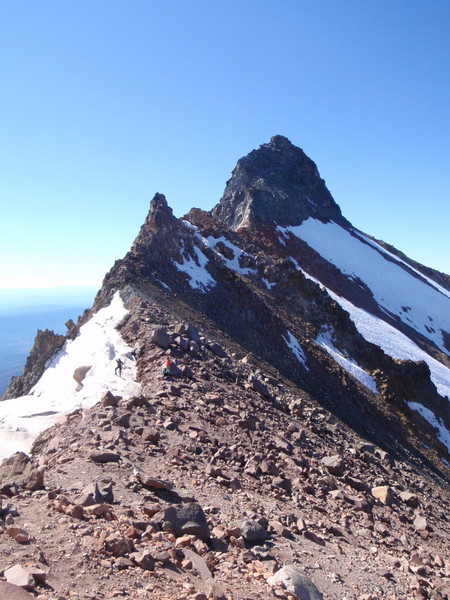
pixel 105 103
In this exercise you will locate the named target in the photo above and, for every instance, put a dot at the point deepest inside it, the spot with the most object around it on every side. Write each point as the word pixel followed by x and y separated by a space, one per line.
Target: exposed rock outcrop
pixel 45 345
pixel 276 183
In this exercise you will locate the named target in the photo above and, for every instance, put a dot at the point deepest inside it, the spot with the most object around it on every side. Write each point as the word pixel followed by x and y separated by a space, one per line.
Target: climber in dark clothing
pixel 119 366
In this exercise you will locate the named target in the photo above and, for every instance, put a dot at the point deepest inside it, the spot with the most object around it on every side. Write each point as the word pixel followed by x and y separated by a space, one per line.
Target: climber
pixel 119 366
pixel 166 369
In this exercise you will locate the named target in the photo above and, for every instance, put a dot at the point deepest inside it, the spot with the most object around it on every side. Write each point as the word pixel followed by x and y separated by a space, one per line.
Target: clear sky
pixel 106 102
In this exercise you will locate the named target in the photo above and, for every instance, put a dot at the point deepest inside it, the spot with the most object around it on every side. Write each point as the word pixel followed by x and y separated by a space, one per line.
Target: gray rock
pixel 80 373
pixel 144 560
pixel 217 350
pixel 46 343
pixel 109 399
pixel 187 519
pixel 9 591
pixel 21 577
pixel 102 456
pixel 409 499
pixel 420 523
pixel 161 338
pixel 296 582
pixel 252 531
pixel 92 494
pixel 193 332
pixel 18 471
pixel 334 464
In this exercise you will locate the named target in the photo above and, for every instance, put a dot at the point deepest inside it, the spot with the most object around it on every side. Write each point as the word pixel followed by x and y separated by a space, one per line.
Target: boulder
pixel 80 373
pixel 19 535
pixel 144 560
pixel 187 519
pixel 93 494
pixel 161 338
pixel 103 456
pixel 20 577
pixel 420 523
pixel 334 464
pixel 19 471
pixel 296 582
pixel 150 482
pixel 109 399
pixel 409 499
pixel 217 350
pixel 252 531
pixel 10 591
pixel 384 494
pixel 193 332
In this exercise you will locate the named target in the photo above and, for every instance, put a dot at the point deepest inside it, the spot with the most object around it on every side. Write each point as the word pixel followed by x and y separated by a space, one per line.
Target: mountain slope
pixel 309 395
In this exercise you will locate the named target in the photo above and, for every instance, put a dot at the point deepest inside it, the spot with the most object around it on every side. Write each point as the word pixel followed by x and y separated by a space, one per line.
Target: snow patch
pixel 164 285
pixel 97 345
pixel 232 263
pixel 268 284
pixel 443 433
pixel 294 346
pixel 325 340
pixel 195 269
pixel 395 343
pixel 400 260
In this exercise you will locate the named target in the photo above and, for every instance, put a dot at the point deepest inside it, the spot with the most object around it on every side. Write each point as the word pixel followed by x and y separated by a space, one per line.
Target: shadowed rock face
pixel 45 345
pixel 276 183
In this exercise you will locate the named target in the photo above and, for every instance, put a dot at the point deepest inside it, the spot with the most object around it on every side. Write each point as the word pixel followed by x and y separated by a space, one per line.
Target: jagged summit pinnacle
pixel 278 183
pixel 160 222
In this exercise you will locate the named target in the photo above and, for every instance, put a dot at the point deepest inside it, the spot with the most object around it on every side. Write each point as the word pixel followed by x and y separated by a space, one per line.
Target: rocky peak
pixel 160 222
pixel 278 183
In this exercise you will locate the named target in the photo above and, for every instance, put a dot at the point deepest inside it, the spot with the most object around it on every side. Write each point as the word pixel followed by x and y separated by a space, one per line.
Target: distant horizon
pixel 50 287
pixel 12 299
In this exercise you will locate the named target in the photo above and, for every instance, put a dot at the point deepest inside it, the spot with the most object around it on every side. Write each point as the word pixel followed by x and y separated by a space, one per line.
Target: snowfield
pixel 415 301
pixel 395 344
pixel 98 345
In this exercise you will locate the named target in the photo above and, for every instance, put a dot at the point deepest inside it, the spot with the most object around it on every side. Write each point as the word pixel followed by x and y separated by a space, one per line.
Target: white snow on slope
pixel 400 260
pixel 98 345
pixel 195 269
pixel 395 343
pixel 443 433
pixel 200 279
pixel 395 290
pixel 269 285
pixel 231 263
pixel 325 339
pixel 294 346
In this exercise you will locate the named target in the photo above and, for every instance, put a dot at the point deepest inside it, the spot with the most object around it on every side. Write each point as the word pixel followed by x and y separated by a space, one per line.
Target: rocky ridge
pixel 262 468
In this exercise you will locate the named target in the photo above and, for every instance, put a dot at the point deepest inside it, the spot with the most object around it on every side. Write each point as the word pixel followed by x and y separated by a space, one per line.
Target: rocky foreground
pixel 225 482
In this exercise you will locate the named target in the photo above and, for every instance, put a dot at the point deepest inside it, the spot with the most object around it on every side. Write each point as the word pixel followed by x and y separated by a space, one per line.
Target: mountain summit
pixel 296 445
pixel 278 184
